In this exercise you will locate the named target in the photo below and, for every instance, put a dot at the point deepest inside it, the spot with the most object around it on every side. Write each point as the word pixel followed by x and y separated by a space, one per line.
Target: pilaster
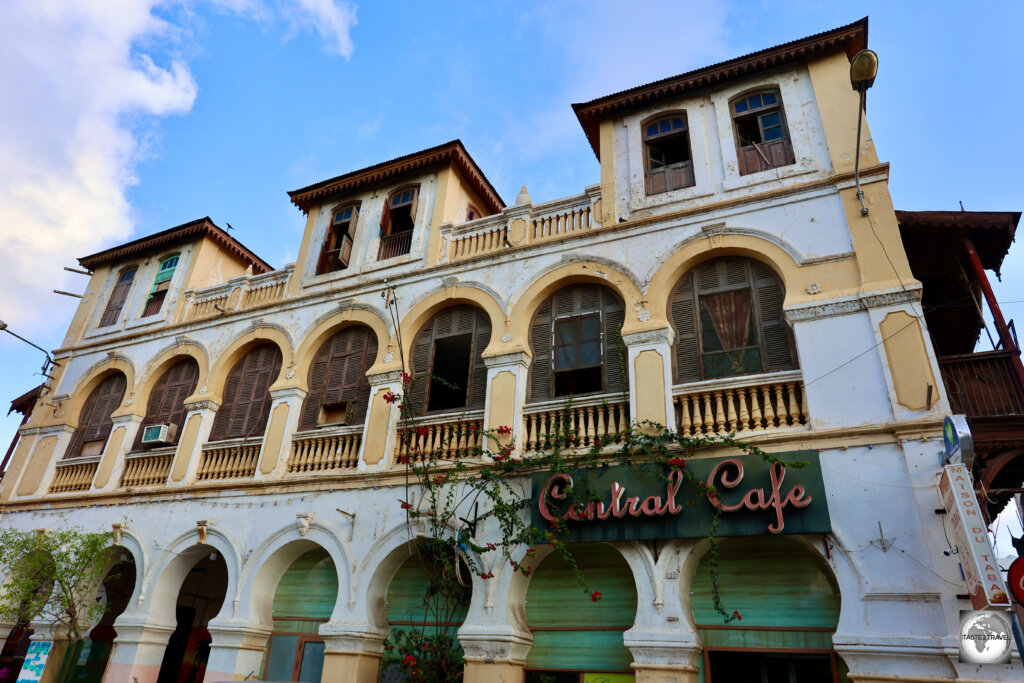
pixel 198 421
pixel 379 427
pixel 122 437
pixel 237 649
pixel 506 395
pixel 352 653
pixel 285 408
pixel 649 355
pixel 138 650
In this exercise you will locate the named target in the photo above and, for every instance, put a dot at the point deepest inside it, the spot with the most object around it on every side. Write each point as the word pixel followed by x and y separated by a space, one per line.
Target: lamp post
pixel 46 364
pixel 863 69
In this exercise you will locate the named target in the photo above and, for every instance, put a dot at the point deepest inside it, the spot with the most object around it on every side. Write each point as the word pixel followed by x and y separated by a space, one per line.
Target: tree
pixel 53 574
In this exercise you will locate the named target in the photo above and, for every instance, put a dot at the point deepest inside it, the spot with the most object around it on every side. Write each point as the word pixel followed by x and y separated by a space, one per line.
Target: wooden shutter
pixel 247 401
pixel 684 319
pixel 167 400
pixel 478 369
pixel 778 348
pixel 616 359
pixel 540 345
pixel 117 297
pixel 422 350
pixel 94 422
pixel 317 380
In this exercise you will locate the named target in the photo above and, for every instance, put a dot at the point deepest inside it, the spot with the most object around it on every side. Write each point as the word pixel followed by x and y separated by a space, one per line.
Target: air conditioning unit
pixel 159 434
pixel 340 413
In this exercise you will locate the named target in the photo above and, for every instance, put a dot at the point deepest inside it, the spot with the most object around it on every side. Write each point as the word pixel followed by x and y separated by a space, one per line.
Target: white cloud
pixel 83 86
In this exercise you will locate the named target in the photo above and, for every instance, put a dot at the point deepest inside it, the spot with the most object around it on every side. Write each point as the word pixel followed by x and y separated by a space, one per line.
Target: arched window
pixel 117 297
pixel 728 320
pixel 397 222
pixel 161 283
pixel 576 343
pixel 668 164
pixel 448 348
pixel 167 400
pixel 472 213
pixel 337 249
pixel 762 138
pixel 246 405
pixel 94 421
pixel 338 390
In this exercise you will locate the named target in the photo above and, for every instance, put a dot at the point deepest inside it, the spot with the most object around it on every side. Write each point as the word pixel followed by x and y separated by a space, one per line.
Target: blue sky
pixel 122 119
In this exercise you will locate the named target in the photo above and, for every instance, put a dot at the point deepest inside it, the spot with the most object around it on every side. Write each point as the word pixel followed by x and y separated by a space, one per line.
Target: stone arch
pixel 769 249
pixel 272 559
pixel 239 347
pixel 92 379
pixel 329 325
pixel 583 269
pixel 163 362
pixel 471 293
pixel 162 587
pixel 131 543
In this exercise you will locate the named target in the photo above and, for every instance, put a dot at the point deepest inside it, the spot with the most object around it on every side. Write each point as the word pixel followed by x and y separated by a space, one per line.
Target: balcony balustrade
pixel 982 385
pixel 237 294
pixel 450 436
pixel 741 404
pixel 589 420
pixel 326 451
pixel 391 246
pixel 148 468
pixel 74 475
pixel 232 459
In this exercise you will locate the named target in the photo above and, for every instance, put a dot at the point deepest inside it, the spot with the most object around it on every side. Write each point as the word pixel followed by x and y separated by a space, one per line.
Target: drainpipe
pixel 993 305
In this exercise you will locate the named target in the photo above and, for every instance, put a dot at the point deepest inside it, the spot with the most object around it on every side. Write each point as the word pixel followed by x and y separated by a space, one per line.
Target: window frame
pixel 338 243
pixel 785 142
pixel 161 285
pixel 118 280
pixel 387 225
pixel 685 167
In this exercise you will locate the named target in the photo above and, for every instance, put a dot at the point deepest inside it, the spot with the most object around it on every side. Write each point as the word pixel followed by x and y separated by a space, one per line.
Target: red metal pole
pixel 993 305
pixel 14 442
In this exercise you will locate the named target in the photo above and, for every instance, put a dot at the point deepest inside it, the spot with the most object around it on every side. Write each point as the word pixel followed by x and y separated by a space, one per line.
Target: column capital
pixel 490 643
pixel 664 335
pixel 521 358
pixel 202 404
pixel 383 378
pixel 288 392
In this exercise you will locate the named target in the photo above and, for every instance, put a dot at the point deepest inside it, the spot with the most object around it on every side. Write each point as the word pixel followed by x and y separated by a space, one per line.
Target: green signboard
pixel 621 503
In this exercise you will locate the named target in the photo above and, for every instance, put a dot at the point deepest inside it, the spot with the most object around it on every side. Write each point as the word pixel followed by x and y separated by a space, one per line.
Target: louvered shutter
pixel 167 400
pixel 421 352
pixel 776 335
pixel 363 390
pixel 94 423
pixel 243 405
pixel 259 408
pixel 540 346
pixel 230 396
pixel 117 298
pixel 247 394
pixel 478 372
pixel 317 379
pixel 616 374
pixel 684 318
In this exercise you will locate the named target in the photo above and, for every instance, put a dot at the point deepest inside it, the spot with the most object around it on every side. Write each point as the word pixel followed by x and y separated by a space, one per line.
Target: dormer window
pixel 161 283
pixel 397 223
pixel 667 159
pixel 762 139
pixel 337 249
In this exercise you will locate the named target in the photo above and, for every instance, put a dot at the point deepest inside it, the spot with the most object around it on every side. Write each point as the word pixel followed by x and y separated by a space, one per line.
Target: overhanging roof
pixel 24 403
pixel 851 38
pixel 992 232
pixel 450 152
pixel 201 227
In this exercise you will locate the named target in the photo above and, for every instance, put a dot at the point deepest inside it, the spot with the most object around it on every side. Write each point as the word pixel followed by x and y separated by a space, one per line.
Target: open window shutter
pixel 777 346
pixel 117 299
pixel 317 379
pixel 338 369
pixel 540 346
pixel 684 318
pixel 478 373
pixel 421 351
pixel 615 357
pixel 385 217
pixel 268 368
pixel 363 388
pixel 415 203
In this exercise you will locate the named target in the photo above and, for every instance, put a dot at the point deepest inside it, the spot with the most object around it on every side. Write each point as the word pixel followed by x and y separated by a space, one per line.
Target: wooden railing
pixel 983 384
pixel 564 217
pixel 740 404
pixel 74 475
pixel 450 436
pixel 149 468
pixel 582 422
pixel 394 245
pixel 228 460
pixel 321 451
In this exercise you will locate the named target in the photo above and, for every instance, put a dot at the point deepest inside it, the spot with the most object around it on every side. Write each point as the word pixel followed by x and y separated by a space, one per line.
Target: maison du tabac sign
pixel 649 502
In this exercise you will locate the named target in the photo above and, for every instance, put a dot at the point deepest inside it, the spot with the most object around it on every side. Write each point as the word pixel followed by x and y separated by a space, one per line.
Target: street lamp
pixel 863 69
pixel 46 364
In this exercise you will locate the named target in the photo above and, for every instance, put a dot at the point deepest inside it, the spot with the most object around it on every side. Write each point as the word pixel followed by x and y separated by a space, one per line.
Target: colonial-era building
pixel 226 420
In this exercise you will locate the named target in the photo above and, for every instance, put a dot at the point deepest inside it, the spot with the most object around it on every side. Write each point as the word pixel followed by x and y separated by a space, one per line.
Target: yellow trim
pixel 238 348
pixel 327 328
pixel 425 309
pixel 157 367
pixel 86 385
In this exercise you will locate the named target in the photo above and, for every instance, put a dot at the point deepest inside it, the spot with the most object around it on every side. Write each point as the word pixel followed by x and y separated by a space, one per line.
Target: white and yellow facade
pixel 865 389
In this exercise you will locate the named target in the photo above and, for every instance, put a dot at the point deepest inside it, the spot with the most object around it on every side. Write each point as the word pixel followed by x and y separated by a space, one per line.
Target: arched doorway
pixel 304 599
pixel 576 634
pixel 789 609
pixel 199 600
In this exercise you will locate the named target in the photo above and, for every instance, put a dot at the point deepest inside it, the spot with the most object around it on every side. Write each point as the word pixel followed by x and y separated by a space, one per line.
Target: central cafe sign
pixel 623 503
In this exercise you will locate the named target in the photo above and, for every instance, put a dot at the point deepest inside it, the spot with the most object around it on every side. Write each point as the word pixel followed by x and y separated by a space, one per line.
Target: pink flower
pixel 736 614
pixel 423 431
pixel 405 506
pixel 595 596
pixel 390 397
pixel 677 462
pixel 504 429
pixel 406 379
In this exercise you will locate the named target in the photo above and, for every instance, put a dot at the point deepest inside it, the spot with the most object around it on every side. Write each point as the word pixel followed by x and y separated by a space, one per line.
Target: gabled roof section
pixel 852 38
pixel 450 152
pixel 197 229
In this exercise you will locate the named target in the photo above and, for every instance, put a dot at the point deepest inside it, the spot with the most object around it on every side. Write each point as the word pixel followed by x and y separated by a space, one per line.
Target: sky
pixel 120 119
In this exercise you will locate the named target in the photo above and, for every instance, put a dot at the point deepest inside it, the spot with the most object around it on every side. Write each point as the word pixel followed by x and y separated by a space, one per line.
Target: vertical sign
pixel 35 661
pixel 978 559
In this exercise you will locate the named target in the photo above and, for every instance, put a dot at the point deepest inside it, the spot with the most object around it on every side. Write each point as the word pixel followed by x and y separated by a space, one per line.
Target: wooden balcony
pixel 986 388
pixel 398 244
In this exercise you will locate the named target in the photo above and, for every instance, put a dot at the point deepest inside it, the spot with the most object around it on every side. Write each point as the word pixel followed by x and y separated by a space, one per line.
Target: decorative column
pixel 506 394
pixel 198 422
pixel 379 427
pixel 237 649
pixel 119 443
pixel 285 408
pixel 138 649
pixel 650 376
pixel 496 646
pixel 352 653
